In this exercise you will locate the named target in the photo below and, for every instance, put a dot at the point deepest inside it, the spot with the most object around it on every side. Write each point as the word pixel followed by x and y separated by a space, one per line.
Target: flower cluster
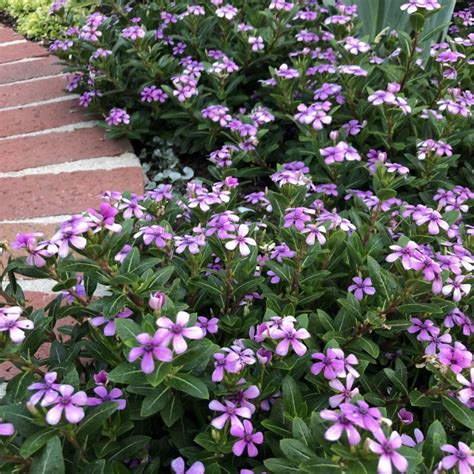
pixel 306 305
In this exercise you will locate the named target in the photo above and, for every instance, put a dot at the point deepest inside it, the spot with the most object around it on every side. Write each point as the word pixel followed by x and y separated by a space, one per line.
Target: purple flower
pixel 298 217
pixel 10 321
pixel 248 439
pixel 456 357
pixel 407 254
pixel 410 442
pixel 456 287
pixel 120 257
pixel 104 396
pixel 6 429
pixel 346 392
pixel 70 233
pixel 101 378
pixel 109 329
pixel 117 116
pixel 462 457
pixel 190 242
pixel 382 97
pixel 179 467
pixel 154 233
pixel 291 337
pixel 466 395
pixel 133 32
pixel 230 411
pixel 47 389
pixel 242 396
pixel 157 300
pixel 405 416
pixel 286 72
pixel 68 402
pixel 208 325
pixel 361 286
pixel 426 329
pixel 331 363
pixel 153 94
pixel 227 11
pixel 176 332
pixel 362 415
pixel 341 424
pixel 104 218
pixel 132 208
pixel 241 241
pixel 256 42
pixel 386 449
pixel 150 348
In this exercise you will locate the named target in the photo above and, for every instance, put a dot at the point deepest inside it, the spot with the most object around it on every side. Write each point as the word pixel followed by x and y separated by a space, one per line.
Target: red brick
pixel 34 91
pixel 29 69
pixel 15 52
pixel 29 152
pixel 40 117
pixel 46 195
pixel 7 34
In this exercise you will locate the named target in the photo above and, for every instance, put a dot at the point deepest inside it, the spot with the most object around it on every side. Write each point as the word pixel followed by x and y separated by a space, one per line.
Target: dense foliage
pixel 35 19
pixel 307 312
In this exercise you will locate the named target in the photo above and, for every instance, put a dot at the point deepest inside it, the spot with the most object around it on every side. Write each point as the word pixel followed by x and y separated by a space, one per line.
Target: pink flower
pixel 386 449
pixel 10 321
pixel 456 287
pixel 104 396
pixel 68 402
pixel 361 286
pixel 462 457
pixel 230 411
pixel 150 348
pixel 176 332
pixel 179 467
pixel 291 337
pixel 241 240
pixel 341 423
pixel 6 429
pixel 346 392
pixel 248 439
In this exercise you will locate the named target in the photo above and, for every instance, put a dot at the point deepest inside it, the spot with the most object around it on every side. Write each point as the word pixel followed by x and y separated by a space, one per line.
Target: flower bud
pixel 333 135
pixel 157 300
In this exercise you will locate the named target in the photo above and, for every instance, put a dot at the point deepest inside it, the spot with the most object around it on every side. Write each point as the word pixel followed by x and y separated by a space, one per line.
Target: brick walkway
pixel 54 159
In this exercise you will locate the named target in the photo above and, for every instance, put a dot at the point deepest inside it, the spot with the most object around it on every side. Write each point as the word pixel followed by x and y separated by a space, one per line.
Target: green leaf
pixel 396 380
pixel 191 385
pixel 368 346
pixel 163 369
pixel 386 194
pixel 172 411
pixel 418 399
pixel 296 450
pixel 459 412
pixel 377 278
pixel 321 465
pixel 419 308
pixel 130 447
pixel 126 373
pixel 131 262
pixel 292 399
pixel 51 460
pixel 280 466
pixel 301 431
pixel 155 401
pixel 127 329
pixel 96 418
pixel 36 441
pixel 435 438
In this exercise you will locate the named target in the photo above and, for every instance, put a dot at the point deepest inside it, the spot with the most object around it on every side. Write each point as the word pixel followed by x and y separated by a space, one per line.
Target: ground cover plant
pixel 35 18
pixel 308 309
